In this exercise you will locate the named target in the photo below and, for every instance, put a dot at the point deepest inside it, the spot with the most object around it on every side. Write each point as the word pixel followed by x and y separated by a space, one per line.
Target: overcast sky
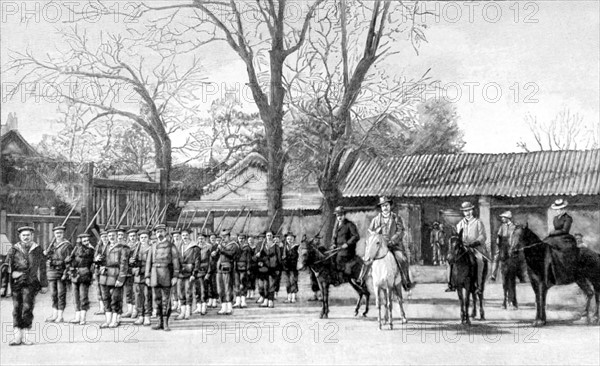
pixel 498 63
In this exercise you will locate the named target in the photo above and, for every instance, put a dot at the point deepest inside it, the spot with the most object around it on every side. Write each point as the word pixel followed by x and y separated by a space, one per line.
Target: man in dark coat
pixel 242 271
pixel 203 278
pixel 143 293
pixel 56 254
pixel 290 269
pixel 162 270
pixel 80 263
pixel 100 248
pixel 227 251
pixel 190 265
pixel 27 268
pixel 345 237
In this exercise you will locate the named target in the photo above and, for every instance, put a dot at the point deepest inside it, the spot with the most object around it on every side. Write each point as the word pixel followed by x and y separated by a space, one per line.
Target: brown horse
pixel 325 270
pixel 464 277
pixel 538 258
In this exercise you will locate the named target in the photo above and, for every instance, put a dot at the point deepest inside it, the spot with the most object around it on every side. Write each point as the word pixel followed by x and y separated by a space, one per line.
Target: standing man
pixel 262 271
pixel 435 239
pixel 132 243
pixel 345 237
pixel 56 253
pixel 162 270
pixel 474 237
pixel 242 271
pixel 143 293
pixel 27 269
pixel 252 239
pixel 81 261
pixel 178 243
pixel 213 294
pixel 114 262
pixel 290 269
pixel 226 253
pixel 503 242
pixel 269 257
pixel 203 278
pixel 279 244
pixel 190 268
pixel 100 248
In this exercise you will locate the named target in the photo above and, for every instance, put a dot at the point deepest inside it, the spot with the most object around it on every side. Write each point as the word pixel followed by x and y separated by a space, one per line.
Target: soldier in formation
pixel 290 271
pixel 100 248
pixel 81 262
pixel 57 253
pixel 226 253
pixel 242 271
pixel 128 291
pixel 189 272
pixel 143 293
pixel 203 277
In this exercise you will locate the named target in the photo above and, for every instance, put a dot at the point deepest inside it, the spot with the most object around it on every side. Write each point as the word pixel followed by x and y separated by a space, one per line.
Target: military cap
pixel 186 230
pixel 143 232
pixel 59 228
pixel 225 232
pixel 103 232
pixel 132 230
pixel 339 210
pixel 25 228
pixel 121 229
pixel 290 234
pixel 112 230
pixel 241 235
pixel 160 227
pixel 262 235
pixel 83 235
pixel 176 231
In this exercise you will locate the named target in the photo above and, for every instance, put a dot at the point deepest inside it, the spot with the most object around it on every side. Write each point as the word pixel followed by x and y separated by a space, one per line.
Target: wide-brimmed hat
pixel 465 206
pixel 559 203
pixel 506 214
pixel 384 199
pixel 339 210
pixel 25 228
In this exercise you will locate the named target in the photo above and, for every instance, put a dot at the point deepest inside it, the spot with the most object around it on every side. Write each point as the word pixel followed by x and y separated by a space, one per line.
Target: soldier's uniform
pixel 27 269
pixel 190 266
pixel 252 270
pixel 162 267
pixel 279 244
pixel 100 248
pixel 128 287
pixel 269 266
pixel 80 263
pixel 226 253
pixel 113 272
pixel 290 271
pixel 178 243
pixel 213 294
pixel 143 293
pixel 242 270
pixel 203 278
pixel 57 268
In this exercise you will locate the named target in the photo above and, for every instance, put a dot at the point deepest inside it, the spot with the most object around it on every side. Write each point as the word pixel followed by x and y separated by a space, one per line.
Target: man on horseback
pixel 389 224
pixel 564 250
pixel 345 237
pixel 473 237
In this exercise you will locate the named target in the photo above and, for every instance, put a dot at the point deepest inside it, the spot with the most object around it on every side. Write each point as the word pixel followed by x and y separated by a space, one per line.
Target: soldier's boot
pixel 114 321
pixel 237 302
pixel 24 339
pixel 188 312
pixel 243 304
pixel 134 313
pixel 154 314
pixel 265 303
pixel 289 299
pixel 59 317
pixel 203 308
pixel 228 308
pixel 17 338
pixel 129 312
pixel 139 320
pixel 52 317
pixel 77 318
pixel 176 306
pixel 260 299
pixel 223 309
pixel 82 320
pixel 181 313
pixel 108 316
pixel 166 326
pixel 270 304
pixel 160 324
pixel 147 321
pixel 293 297
pixel 198 308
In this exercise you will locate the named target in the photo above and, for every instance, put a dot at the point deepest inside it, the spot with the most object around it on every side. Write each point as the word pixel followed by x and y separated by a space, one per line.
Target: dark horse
pixel 464 277
pixel 537 256
pixel 324 268
pixel 511 261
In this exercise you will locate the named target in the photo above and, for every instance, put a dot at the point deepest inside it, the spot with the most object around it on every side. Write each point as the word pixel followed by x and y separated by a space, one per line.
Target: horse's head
pixel 305 250
pixel 374 247
pixel 457 246
pixel 523 237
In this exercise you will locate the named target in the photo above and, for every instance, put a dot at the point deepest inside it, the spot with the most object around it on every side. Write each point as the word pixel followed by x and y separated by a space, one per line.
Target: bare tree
pixel 118 77
pixel 565 131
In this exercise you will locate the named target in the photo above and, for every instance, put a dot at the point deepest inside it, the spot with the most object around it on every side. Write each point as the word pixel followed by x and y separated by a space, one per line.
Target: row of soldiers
pixel 153 271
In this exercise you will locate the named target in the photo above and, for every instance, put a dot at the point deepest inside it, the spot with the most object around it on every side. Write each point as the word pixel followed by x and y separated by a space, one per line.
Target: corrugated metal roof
pixel 541 173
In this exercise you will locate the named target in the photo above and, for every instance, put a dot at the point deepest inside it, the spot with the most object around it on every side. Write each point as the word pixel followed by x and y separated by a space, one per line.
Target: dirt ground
pixel 294 334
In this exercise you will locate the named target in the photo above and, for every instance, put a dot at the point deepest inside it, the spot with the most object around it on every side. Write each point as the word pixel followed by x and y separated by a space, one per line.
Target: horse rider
pixel 474 238
pixel 27 270
pixel 80 263
pixel 564 250
pixel 503 242
pixel 162 270
pixel 143 293
pixel 389 224
pixel 345 237
pixel 56 253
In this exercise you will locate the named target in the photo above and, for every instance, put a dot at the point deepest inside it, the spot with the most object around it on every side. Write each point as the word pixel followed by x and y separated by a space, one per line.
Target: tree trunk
pixel 331 198
pixel 275 168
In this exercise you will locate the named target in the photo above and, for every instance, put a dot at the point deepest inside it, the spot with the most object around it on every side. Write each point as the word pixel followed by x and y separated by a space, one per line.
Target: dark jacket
pixel 346 233
pixel 115 265
pixel 162 264
pixel 190 261
pixel 205 251
pixel 139 258
pixel 243 261
pixel 227 255
pixel 27 269
pixel 56 260
pixel 562 224
pixel 290 257
pixel 80 263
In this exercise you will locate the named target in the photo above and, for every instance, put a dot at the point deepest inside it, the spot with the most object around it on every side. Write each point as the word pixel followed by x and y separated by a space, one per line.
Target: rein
pixel 531 245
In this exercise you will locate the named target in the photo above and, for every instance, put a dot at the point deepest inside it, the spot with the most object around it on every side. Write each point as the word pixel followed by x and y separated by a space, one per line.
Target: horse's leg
pixel 596 315
pixel 586 286
pixel 461 301
pixel 390 304
pixel 324 288
pixel 378 304
pixel 513 290
pixel 358 289
pixel 398 291
pixel 543 294
pixel 367 294
pixel 481 310
pixel 505 290
pixel 326 299
pixel 536 290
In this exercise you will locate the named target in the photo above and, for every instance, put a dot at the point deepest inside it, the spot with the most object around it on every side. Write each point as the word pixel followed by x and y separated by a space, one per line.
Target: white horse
pixel 386 277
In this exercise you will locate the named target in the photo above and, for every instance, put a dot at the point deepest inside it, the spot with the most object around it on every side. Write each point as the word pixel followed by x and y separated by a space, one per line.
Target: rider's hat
pixel 339 210
pixel 465 206
pixel 506 214
pixel 384 199
pixel 559 203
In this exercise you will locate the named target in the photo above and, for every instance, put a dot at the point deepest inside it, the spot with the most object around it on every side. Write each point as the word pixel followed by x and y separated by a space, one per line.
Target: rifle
pixel 179 218
pixel 273 219
pixel 51 246
pixel 191 220
pixel 246 220
pixel 221 222
pixel 205 221
pixel 161 214
pixel 70 256
pixel 238 216
pixel 110 217
pixel 151 218
pixel 127 207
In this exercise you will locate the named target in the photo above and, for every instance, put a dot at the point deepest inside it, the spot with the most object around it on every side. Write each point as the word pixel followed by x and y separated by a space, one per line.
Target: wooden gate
pixel 43 225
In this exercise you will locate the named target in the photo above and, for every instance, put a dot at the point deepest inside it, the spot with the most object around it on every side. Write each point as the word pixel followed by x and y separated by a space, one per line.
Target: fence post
pixel 164 186
pixel 88 197
pixel 3 222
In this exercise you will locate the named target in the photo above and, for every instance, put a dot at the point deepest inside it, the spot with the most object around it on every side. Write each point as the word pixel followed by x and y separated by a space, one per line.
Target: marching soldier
pixel 503 241
pixel 100 248
pixel 143 293
pixel 27 269
pixel 56 254
pixel 290 262
pixel 242 270
pixel 190 267
pixel 345 237
pixel 226 252
pixel 253 268
pixel 132 243
pixel 177 242
pixel 162 270
pixel 213 294
pixel 203 278
pixel 114 265
pixel 269 262
pixel 80 263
